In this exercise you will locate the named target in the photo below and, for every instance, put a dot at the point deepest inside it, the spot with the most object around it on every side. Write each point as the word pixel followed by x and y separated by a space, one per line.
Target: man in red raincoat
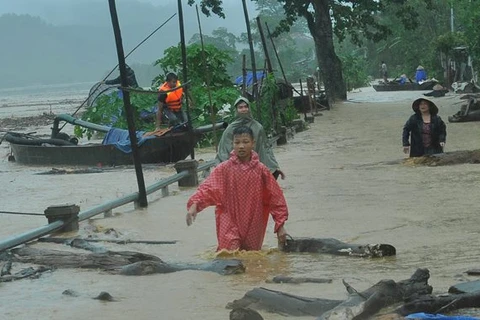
pixel 245 193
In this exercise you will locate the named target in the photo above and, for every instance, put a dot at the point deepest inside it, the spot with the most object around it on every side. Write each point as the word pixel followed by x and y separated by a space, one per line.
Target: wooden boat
pixel 173 146
pixel 407 86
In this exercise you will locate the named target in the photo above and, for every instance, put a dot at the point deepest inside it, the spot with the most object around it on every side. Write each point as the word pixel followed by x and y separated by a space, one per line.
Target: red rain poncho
pixel 244 194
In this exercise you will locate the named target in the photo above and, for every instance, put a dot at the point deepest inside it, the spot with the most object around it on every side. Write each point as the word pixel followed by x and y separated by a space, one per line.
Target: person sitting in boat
pixel 170 102
pixel 131 79
pixel 403 79
pixel 420 74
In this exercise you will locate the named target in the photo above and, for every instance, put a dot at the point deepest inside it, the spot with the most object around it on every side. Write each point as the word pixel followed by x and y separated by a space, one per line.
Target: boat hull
pixel 409 86
pixel 164 149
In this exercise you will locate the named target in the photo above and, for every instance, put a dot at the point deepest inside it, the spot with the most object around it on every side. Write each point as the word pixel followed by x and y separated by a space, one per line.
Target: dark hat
pixel 433 109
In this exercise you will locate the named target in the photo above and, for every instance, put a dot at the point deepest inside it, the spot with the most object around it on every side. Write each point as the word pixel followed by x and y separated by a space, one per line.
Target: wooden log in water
pixel 446 159
pixel 115 241
pixel 244 314
pixel 473 272
pixel 465 287
pixel 66 259
pixel 440 304
pixel 285 279
pixel 365 304
pixel 337 247
pixel 359 305
pixel 283 303
pixel 24 273
pixel 119 262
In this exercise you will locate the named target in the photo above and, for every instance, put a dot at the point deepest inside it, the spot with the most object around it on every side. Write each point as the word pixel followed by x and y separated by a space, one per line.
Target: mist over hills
pixel 61 41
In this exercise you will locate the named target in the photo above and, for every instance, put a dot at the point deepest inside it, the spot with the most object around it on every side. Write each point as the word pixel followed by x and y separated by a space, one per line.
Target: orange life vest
pixel 174 98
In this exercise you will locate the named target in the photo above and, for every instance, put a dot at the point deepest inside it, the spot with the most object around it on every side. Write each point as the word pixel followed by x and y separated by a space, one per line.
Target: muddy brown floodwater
pixel 338 185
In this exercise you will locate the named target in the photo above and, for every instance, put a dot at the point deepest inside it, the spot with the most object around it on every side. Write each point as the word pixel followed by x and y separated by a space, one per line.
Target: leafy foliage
pixel 354 71
pixel 212 63
pixel 109 110
pixel 273 114
pixel 360 19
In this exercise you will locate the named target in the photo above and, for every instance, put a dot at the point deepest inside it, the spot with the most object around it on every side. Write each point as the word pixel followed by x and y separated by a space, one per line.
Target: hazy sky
pixel 63 12
pixel 89 21
pixel 231 7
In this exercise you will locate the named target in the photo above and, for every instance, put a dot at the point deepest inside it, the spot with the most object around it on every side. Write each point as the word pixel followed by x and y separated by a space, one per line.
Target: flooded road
pixel 338 185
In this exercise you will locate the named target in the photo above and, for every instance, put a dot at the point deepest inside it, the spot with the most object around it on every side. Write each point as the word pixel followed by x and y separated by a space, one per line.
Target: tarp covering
pixel 260 75
pixel 121 139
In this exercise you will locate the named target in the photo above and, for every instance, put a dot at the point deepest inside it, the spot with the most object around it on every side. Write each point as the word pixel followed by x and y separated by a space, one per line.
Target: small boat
pixel 407 86
pixel 171 145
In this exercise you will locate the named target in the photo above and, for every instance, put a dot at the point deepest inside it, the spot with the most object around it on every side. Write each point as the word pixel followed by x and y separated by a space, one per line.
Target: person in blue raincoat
pixel 420 74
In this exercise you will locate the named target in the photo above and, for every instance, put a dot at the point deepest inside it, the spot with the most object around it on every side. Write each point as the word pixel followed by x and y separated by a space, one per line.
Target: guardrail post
pixel 67 213
pixel 108 214
pixel 191 166
pixel 299 125
pixel 282 139
pixel 165 192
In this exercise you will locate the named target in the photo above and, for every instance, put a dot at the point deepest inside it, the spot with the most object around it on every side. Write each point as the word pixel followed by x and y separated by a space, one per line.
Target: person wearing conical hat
pixel 420 74
pixel 424 133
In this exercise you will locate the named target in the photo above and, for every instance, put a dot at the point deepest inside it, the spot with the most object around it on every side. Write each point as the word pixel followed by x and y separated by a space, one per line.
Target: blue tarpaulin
pixel 121 139
pixel 260 75
pixel 422 315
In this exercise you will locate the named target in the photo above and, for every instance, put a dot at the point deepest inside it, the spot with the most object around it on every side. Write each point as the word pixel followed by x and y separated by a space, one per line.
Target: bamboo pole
pixel 185 76
pixel 264 44
pixel 269 70
pixel 254 70
pixel 244 74
pixel 142 195
pixel 278 60
pixel 207 80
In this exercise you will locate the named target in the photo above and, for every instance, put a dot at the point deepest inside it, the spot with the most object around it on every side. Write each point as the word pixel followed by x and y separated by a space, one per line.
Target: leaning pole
pixel 184 73
pixel 254 68
pixel 142 194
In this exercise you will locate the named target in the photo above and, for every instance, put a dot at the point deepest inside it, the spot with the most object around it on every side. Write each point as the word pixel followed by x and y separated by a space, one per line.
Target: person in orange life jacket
pixel 170 103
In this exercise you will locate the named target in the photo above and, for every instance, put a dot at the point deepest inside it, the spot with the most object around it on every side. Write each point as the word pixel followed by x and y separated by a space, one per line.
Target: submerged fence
pixel 102 208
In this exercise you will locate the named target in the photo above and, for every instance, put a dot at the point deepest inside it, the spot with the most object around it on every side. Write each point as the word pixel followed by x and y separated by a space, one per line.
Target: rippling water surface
pixel 337 186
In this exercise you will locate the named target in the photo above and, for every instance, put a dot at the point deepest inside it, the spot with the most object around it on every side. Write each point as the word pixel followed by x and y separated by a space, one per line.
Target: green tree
pixel 359 19
pixel 211 63
pixel 226 42
pixel 467 18
pixel 295 48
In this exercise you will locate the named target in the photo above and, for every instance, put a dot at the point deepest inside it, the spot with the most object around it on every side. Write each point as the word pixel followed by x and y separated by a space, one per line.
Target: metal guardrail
pixel 87 214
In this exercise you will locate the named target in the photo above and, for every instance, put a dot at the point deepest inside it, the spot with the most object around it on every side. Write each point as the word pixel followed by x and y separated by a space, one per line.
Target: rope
pixel 23 213
pixel 130 89
pixel 131 51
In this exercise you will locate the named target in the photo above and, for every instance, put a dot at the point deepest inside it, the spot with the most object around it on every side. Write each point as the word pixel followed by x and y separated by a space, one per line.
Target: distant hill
pixel 72 41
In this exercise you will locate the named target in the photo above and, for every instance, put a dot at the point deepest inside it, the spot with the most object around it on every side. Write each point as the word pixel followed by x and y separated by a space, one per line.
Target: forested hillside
pixel 65 41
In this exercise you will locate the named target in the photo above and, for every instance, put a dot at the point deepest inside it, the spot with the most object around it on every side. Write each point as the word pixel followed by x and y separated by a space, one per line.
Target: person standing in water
pixel 244 194
pixel 424 133
pixel 243 117
pixel 384 72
